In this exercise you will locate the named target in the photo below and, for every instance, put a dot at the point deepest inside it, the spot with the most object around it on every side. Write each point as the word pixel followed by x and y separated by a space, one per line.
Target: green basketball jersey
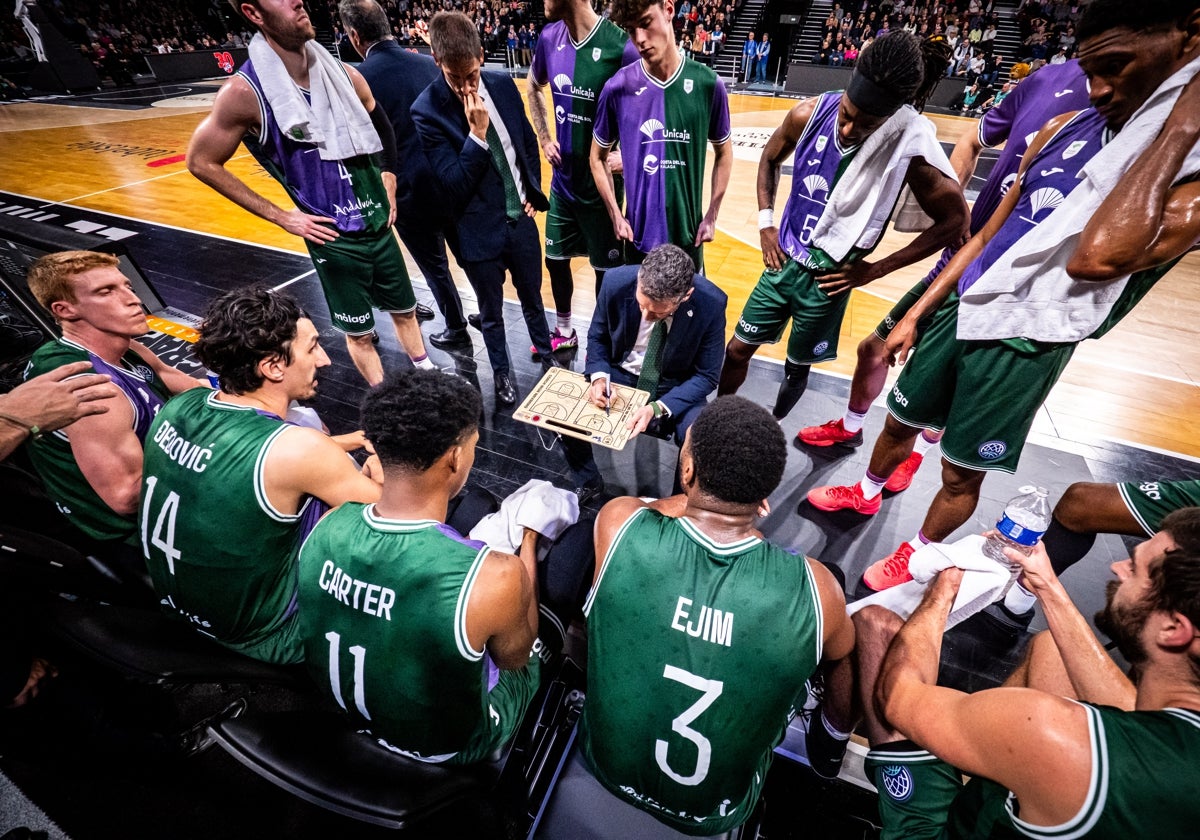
pixel 220 556
pixel 1144 779
pixel 52 456
pixel 383 617
pixel 697 653
pixel 576 74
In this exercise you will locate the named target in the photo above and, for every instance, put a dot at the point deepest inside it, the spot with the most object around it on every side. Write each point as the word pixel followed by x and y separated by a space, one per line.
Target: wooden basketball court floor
pixel 1137 385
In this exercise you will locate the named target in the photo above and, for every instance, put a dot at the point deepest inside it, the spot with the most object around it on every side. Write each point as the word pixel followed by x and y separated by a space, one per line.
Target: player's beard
pixel 1123 624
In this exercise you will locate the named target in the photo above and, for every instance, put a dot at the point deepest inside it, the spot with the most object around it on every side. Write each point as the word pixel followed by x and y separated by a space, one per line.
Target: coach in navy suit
pixel 485 157
pixel 397 77
pixel 632 300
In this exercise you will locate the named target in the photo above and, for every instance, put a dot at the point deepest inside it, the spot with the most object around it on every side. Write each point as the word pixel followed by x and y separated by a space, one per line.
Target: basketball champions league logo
pixel 897 782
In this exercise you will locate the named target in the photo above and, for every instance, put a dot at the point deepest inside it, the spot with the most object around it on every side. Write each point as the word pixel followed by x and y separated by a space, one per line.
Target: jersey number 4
pixel 711 690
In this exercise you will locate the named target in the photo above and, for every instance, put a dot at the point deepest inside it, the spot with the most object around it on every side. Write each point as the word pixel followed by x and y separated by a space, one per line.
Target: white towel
pixel 862 199
pixel 985 581
pixel 336 123
pixel 538 505
pixel 1027 292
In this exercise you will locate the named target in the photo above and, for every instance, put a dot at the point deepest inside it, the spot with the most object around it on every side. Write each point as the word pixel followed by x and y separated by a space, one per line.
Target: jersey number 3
pixel 711 690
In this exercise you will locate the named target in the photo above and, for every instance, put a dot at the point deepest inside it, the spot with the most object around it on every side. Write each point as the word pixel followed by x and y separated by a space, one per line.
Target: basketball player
pixel 802 281
pixel 576 54
pixel 662 110
pixel 1051 91
pixel 1139 231
pixel 701 634
pixel 230 488
pixel 344 206
pixel 404 621
pixel 93 470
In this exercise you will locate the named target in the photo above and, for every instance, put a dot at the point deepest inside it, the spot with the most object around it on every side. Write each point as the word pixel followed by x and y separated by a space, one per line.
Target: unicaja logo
pixel 563 82
pixel 650 128
pixel 650 164
pixel 560 115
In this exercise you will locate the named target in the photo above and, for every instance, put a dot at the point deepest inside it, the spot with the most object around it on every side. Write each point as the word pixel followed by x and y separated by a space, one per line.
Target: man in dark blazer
pixel 485 157
pixel 633 299
pixel 396 77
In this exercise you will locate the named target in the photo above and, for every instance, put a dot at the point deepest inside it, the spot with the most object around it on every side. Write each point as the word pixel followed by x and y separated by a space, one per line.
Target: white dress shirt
pixel 510 153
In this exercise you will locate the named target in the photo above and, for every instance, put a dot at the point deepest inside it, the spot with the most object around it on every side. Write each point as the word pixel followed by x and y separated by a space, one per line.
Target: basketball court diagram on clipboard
pixel 559 403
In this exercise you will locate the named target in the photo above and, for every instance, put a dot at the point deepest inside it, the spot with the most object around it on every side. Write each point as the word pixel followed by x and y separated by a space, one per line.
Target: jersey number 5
pixel 681 725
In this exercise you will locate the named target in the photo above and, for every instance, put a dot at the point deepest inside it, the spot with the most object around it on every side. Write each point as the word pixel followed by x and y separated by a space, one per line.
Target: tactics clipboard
pixel 559 403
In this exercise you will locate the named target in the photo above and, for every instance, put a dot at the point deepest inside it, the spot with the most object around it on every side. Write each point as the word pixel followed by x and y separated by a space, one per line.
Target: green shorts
pixel 507 703
pixel 916 789
pixel 901 309
pixel 360 273
pixel 985 394
pixel 1151 501
pixel 792 293
pixel 576 229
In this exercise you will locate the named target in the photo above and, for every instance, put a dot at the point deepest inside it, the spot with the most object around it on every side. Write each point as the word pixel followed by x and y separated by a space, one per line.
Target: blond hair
pixel 50 277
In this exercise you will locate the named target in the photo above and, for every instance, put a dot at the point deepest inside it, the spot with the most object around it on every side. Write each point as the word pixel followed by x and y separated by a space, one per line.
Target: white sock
pixel 563 323
pixel 919 540
pixel 923 444
pixel 870 487
pixel 853 421
pixel 422 363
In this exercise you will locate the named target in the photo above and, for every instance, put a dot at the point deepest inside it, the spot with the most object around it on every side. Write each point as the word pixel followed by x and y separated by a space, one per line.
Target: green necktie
pixel 512 198
pixel 652 361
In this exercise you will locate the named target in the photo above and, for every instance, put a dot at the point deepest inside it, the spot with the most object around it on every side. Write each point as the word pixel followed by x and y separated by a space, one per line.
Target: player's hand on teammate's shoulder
pixel 773 256
pixel 316 229
pixel 59 397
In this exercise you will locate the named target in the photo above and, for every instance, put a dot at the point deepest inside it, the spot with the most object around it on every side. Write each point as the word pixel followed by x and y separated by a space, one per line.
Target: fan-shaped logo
pixel 650 164
pixel 814 184
pixel 898 782
pixel 1007 183
pixel 821 348
pixel 560 114
pixel 650 128
pixel 1047 198
pixel 563 82
pixel 992 450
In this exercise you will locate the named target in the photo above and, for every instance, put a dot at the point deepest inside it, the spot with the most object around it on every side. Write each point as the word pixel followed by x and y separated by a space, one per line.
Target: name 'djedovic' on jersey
pixel 576 74
pixel 52 456
pixel 1050 178
pixel 819 161
pixel 664 129
pixel 697 653
pixel 350 191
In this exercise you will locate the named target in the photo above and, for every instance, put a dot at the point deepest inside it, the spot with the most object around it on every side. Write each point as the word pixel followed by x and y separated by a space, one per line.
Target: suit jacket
pixel 695 349
pixel 397 77
pixel 464 171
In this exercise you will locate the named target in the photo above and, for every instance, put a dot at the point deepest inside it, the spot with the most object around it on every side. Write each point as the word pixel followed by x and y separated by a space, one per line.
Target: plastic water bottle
pixel 1026 517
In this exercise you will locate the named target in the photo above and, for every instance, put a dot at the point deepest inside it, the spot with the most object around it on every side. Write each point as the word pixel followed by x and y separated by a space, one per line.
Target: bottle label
pixel 1017 533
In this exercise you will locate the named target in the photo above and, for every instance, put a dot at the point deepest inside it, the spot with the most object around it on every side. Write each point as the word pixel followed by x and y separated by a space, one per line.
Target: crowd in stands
pixel 702 28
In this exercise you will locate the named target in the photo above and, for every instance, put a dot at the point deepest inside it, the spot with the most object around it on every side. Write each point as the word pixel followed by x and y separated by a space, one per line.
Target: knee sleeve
pixel 1065 547
pixel 795 382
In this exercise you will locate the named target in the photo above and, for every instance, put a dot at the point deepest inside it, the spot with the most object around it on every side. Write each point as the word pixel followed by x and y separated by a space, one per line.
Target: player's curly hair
pixel 626 13
pixel 414 416
pixel 738 451
pixel 243 327
pixel 1099 16
pixel 896 63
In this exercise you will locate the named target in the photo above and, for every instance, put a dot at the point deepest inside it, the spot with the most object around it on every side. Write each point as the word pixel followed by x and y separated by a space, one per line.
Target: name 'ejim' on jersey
pixel 577 74
pixel 664 129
